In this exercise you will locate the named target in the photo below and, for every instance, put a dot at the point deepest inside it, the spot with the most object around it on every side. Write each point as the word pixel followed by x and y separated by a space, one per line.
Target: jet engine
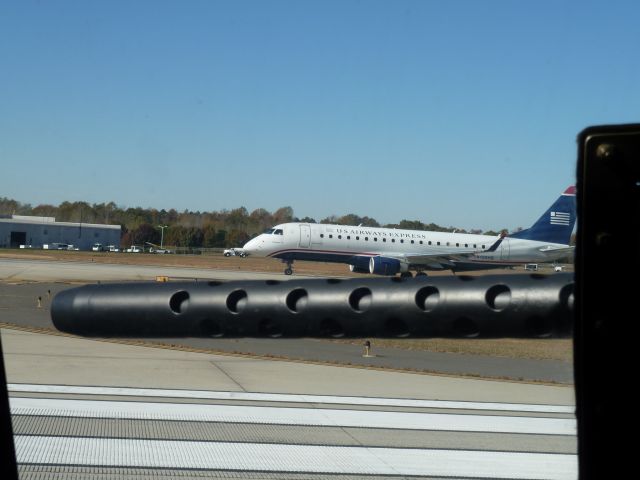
pixel 387 266
pixel 359 264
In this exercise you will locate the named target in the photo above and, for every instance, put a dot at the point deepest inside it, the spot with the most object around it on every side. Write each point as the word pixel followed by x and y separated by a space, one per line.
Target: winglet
pixel 497 243
pixel 570 190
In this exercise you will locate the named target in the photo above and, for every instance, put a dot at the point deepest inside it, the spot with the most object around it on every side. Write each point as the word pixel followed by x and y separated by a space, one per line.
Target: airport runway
pixel 96 408
pixel 16 270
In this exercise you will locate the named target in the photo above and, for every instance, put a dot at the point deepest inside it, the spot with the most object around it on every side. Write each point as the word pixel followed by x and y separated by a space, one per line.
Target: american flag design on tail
pixel 556 223
pixel 559 218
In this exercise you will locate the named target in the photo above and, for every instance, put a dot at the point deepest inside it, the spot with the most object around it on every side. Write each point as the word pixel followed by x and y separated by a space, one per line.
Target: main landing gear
pixel 288 270
pixel 419 273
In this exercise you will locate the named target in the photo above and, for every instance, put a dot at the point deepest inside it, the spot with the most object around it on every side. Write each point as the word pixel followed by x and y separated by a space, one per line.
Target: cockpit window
pixel 278 232
pixel 269 231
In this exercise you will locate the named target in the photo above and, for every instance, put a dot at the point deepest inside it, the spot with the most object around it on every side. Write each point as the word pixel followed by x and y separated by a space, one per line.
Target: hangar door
pixel 17 239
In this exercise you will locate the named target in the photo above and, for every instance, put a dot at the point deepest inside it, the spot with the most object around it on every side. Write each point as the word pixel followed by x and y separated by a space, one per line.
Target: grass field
pixel 551 349
pixel 533 348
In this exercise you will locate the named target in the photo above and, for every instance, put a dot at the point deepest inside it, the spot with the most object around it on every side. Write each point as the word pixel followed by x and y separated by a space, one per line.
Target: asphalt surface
pixel 22 270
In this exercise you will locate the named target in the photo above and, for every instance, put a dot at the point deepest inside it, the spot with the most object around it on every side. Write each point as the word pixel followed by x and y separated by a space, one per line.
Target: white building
pixel 16 230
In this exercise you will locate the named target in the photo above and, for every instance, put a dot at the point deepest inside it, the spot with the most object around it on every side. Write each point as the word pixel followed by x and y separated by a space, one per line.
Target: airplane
pixel 388 251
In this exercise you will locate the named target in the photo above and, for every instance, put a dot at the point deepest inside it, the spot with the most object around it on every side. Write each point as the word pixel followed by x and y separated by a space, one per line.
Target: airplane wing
pixel 433 261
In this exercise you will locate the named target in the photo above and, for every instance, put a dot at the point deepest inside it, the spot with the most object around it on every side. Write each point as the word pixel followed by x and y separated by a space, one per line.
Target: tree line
pixel 217 229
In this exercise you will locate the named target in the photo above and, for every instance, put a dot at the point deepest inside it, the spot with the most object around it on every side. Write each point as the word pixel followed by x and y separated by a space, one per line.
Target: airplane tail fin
pixel 556 224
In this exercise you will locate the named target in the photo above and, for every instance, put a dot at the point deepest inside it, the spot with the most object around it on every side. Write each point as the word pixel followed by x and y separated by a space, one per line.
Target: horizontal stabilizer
pixel 555 251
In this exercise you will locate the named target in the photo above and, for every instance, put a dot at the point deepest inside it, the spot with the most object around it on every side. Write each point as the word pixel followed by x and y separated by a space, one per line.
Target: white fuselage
pixel 341 243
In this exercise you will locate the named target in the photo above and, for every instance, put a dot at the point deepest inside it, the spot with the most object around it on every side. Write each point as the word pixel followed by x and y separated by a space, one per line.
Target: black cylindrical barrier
pixel 455 306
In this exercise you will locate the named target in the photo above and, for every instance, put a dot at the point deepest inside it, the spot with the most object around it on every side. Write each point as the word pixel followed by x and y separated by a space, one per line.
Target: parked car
pixel 97 247
pixel 55 246
pixel 234 252
pixel 135 249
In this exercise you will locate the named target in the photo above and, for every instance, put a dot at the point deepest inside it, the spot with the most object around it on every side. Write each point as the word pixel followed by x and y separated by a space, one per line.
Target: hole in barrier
pixel 334 280
pixel 179 301
pixel 236 301
pixel 427 298
pixel 360 299
pixel 272 282
pixel 465 327
pixel 397 279
pixel 211 328
pixel 498 297
pixel 297 300
pixel 396 327
pixel 213 283
pixel 331 328
pixel 539 326
pixel 566 296
pixel 537 276
pixel 269 328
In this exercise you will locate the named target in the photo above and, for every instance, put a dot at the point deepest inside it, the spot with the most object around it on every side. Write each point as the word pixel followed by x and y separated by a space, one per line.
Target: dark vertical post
pixel 8 466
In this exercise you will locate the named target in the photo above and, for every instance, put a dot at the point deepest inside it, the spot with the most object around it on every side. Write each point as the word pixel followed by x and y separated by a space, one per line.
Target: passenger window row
pixel 393 240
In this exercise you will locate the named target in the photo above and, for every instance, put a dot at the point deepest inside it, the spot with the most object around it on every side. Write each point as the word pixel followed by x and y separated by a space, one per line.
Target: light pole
pixel 162 227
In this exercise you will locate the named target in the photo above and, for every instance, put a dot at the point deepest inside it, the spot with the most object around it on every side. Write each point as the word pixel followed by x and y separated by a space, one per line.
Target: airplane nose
pixel 252 246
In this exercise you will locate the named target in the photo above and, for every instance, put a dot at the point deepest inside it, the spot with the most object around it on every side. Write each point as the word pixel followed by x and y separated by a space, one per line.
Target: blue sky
pixel 461 113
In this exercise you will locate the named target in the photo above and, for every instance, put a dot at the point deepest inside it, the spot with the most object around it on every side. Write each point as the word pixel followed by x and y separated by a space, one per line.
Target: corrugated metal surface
pixel 81 438
pixel 39 472
pixel 289 398
pixel 291 458
pixel 292 416
pixel 242 432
